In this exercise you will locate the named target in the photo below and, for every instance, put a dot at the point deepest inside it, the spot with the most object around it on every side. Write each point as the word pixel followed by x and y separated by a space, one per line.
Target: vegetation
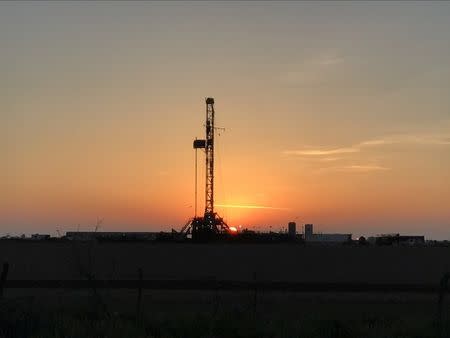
pixel 211 315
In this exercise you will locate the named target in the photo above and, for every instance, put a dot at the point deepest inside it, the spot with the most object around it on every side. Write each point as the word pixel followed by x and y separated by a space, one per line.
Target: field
pixel 220 313
pixel 110 313
pixel 284 262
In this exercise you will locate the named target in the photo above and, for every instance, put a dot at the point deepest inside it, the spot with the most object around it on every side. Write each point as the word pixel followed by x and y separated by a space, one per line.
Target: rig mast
pixel 209 226
pixel 209 152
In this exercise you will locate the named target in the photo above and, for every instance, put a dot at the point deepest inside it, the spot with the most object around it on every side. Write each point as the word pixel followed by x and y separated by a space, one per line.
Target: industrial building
pixel 311 237
pixel 40 237
pixel 111 236
pixel 397 239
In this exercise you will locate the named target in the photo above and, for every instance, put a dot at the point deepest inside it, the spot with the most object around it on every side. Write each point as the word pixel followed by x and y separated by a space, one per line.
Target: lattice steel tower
pixel 209 151
pixel 210 225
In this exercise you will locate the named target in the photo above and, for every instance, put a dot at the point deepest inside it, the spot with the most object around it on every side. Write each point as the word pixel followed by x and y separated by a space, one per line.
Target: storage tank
pixel 292 229
pixel 308 231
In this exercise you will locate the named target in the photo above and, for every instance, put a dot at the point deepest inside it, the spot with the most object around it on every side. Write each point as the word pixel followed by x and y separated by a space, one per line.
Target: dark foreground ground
pixel 220 313
pixel 183 314
pixel 283 262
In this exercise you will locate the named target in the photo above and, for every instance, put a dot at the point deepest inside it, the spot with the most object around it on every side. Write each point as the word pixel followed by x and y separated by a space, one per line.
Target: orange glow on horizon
pixel 249 206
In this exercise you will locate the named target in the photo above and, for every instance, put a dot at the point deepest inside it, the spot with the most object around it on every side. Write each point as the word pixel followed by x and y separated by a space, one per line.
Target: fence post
pixel 3 277
pixel 443 286
pixel 139 298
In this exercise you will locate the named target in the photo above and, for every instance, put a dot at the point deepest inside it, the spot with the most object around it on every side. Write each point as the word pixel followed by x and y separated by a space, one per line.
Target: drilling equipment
pixel 211 226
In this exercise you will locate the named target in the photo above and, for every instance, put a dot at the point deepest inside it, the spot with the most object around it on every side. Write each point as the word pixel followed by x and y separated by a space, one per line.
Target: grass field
pixel 114 313
pixel 284 262
pixel 219 313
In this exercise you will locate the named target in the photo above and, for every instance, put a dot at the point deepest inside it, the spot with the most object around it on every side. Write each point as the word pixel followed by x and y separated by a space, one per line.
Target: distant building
pixel 39 237
pixel 411 240
pixel 397 239
pixel 310 236
pixel 334 238
pixel 308 231
pixel 111 236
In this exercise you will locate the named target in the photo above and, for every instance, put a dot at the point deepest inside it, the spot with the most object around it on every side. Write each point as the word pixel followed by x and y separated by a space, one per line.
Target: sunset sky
pixel 336 114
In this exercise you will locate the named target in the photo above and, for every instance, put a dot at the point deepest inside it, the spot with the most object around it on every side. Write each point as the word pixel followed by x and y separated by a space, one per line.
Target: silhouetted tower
pixel 209 151
pixel 210 225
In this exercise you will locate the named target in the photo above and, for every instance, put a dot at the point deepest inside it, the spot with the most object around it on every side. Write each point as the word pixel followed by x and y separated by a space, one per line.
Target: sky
pixel 335 113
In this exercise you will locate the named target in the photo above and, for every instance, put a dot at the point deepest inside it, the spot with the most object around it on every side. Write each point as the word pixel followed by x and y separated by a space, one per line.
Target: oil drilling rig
pixel 210 226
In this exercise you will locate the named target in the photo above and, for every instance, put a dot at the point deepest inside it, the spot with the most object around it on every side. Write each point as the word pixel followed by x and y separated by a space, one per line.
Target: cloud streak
pixel 423 139
pixel 364 168
pixel 329 155
pixel 360 168
pixel 330 159
pixel 320 152
pixel 315 71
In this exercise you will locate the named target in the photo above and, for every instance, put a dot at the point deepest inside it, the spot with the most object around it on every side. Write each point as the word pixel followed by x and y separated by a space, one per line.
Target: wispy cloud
pixel 249 206
pixel 407 139
pixel 326 155
pixel 317 70
pixel 330 159
pixel 420 139
pixel 363 168
pixel 359 168
pixel 321 152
